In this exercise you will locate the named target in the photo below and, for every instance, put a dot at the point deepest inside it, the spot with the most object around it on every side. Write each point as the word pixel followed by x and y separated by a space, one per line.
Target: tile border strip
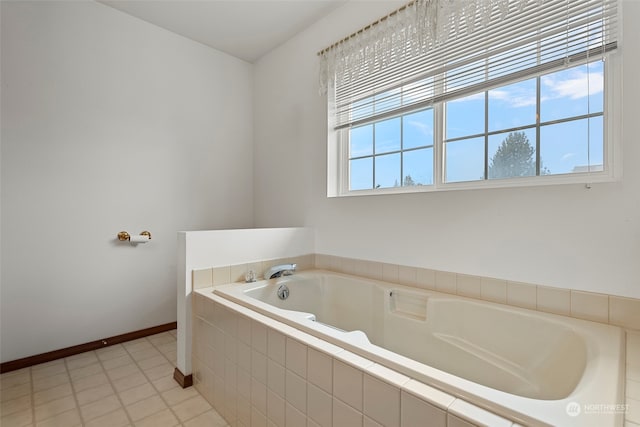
pixel 598 307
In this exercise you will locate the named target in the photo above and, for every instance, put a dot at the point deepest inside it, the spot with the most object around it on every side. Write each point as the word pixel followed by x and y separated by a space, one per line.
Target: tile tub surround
pixel 609 309
pixel 206 277
pixel 123 385
pixel 257 371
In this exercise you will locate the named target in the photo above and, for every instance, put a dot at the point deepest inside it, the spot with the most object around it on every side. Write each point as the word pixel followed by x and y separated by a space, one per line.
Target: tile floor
pixel 129 384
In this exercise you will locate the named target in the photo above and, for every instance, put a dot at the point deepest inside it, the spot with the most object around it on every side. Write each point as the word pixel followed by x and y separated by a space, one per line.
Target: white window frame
pixel 338 151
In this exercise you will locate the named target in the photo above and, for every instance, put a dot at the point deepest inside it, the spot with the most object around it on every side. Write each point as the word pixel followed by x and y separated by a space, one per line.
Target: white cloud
pixel 515 97
pixel 578 84
pixel 422 127
pixel 568 156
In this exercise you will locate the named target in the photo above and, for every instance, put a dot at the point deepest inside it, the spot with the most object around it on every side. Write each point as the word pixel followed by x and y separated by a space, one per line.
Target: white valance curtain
pixel 404 34
pixel 432 50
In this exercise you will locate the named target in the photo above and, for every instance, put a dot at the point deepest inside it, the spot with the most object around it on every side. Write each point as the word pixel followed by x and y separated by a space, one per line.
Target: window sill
pixel 576 178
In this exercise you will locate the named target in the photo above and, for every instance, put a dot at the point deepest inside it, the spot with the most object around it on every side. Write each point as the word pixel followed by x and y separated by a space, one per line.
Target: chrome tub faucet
pixel 280 270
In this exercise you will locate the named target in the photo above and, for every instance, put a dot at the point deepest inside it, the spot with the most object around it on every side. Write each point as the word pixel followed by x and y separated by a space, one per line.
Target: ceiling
pixel 246 29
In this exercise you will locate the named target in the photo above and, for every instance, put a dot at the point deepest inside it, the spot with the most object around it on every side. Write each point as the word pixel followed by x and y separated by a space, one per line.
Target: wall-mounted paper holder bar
pixel 143 237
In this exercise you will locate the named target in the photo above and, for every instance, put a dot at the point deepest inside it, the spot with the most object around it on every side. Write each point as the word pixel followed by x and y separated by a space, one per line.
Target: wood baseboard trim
pixel 182 379
pixel 81 348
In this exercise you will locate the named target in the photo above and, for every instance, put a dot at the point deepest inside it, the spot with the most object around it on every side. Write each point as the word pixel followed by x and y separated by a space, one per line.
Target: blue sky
pixel 563 146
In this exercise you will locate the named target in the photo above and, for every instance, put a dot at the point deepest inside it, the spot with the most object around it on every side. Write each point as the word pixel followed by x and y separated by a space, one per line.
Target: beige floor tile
pixel 137 345
pixel 54 407
pixel 136 394
pixel 167 347
pixel 111 352
pixel 191 408
pixel 66 419
pixel 129 382
pixel 49 370
pixel 145 354
pixel 81 356
pixel 161 338
pixel 89 382
pixel 17 372
pixel 208 419
pixel 113 419
pixel 179 394
pixel 18 419
pixel 15 380
pixel 122 371
pixel 171 355
pixel 152 362
pixel 50 381
pixel 15 392
pixel 93 394
pixel 115 386
pixel 46 365
pixel 159 371
pixel 161 419
pixel 165 383
pixel 51 394
pixel 116 362
pixel 100 407
pixel 81 360
pixel 15 405
pixel 85 371
pixel 146 407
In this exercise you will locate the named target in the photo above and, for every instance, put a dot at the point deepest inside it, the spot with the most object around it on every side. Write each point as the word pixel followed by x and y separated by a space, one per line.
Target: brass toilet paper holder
pixel 123 236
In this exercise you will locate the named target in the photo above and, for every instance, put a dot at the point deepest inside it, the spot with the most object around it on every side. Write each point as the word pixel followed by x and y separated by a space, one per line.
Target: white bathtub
pixel 521 364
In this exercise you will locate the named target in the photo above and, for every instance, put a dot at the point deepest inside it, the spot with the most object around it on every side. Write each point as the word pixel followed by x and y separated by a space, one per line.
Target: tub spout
pixel 280 270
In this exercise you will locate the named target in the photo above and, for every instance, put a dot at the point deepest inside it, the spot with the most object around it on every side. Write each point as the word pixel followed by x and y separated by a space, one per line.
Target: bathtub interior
pixel 480 342
pixel 518 363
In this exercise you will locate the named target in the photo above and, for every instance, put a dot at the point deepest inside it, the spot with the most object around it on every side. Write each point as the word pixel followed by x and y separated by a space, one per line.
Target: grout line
pixel 110 382
pixel 156 389
pixel 73 393
pixel 115 391
pixel 32 399
pixel 151 383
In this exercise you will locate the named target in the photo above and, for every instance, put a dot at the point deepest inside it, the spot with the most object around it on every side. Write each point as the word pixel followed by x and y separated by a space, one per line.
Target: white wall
pixel 109 124
pixel 221 248
pixel 564 236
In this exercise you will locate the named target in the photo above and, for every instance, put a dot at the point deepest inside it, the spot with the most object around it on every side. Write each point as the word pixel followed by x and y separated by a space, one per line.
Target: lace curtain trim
pixel 409 33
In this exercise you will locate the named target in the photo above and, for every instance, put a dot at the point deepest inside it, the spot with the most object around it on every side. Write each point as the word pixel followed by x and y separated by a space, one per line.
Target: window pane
pixel 512 106
pixel 388 171
pixel 596 144
pixel 573 92
pixel 465 116
pixel 361 174
pixel 417 167
pixel 417 129
pixel 464 160
pixel 566 147
pixel 361 141
pixel 512 154
pixel 387 135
